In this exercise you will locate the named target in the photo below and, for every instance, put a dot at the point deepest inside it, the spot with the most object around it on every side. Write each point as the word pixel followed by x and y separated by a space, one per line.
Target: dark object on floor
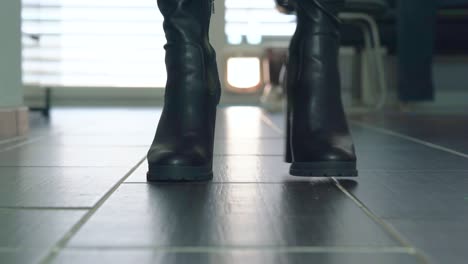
pixel 45 109
pixel 416 21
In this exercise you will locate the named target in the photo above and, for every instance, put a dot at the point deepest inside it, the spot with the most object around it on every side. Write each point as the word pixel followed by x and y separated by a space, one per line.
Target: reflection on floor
pixel 74 191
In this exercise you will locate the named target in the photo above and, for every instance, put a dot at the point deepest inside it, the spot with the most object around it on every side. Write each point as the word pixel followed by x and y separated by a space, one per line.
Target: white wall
pixel 11 94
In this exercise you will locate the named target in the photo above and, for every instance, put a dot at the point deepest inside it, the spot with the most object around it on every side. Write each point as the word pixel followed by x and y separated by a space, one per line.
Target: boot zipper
pixel 212 6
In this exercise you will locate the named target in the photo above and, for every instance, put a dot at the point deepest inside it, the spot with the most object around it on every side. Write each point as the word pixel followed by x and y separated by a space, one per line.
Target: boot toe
pixel 186 158
pixel 323 155
pixel 179 166
pixel 179 159
pixel 334 162
pixel 337 154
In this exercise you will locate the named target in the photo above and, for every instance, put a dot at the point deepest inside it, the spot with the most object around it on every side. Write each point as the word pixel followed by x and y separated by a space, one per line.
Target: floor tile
pixel 32 232
pixel 246 256
pixel 443 241
pixel 448 130
pixel 30 255
pixel 413 194
pixel 10 143
pixel 60 140
pixel 317 213
pixel 31 155
pixel 253 211
pixel 34 228
pixel 243 122
pixel 425 207
pixel 56 186
pixel 178 215
pixel 230 215
pixel 408 158
pixel 249 147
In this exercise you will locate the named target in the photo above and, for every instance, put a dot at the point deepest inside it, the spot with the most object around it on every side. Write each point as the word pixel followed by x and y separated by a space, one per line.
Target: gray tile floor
pixel 74 191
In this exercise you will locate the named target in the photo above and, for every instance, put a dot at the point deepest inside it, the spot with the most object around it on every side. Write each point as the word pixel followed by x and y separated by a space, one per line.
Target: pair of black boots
pixel 318 142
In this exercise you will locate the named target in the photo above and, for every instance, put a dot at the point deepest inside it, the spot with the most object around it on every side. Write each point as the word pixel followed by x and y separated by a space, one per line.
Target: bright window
pixel 107 43
pixel 253 21
pixel 243 73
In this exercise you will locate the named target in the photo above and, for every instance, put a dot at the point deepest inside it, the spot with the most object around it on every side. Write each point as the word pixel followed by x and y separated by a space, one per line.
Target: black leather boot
pixel 318 141
pixel 182 149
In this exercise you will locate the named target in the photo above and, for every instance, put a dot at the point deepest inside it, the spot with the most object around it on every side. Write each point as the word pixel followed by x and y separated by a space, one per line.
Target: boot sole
pixel 179 174
pixel 324 169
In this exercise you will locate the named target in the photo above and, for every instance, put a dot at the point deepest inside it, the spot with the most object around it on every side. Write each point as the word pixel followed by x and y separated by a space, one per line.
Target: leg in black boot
pixel 318 137
pixel 182 149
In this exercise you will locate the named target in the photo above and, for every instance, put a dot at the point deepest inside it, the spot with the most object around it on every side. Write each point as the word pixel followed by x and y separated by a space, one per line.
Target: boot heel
pixel 288 154
pixel 324 169
pixel 179 173
pixel 288 151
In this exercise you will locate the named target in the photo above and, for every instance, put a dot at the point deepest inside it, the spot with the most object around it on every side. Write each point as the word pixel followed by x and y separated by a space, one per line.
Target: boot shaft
pixel 318 16
pixel 186 20
pixel 332 6
pixel 313 77
pixel 190 58
pixel 317 36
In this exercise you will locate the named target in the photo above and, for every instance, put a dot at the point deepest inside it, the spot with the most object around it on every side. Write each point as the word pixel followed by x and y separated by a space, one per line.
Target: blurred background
pixel 109 52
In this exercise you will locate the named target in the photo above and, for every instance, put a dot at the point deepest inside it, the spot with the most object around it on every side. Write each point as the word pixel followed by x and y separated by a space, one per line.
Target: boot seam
pixel 193 44
pixel 215 94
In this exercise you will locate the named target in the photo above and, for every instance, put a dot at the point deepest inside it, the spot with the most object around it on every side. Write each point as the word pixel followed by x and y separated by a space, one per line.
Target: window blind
pixel 118 43
pixel 105 43
pixel 254 21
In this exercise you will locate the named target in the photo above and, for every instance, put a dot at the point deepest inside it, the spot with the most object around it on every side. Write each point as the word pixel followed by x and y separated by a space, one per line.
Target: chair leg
pixel 356 93
pixel 368 93
pixel 374 46
pixel 379 60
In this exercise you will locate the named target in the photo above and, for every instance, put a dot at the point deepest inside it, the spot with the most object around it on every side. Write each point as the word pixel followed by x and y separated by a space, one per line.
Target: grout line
pixel 269 212
pixel 66 166
pixel 276 249
pixel 271 124
pixel 21 144
pixel 366 210
pixel 9 140
pixel 53 252
pixel 58 208
pixel 387 227
pixel 409 138
pixel 28 141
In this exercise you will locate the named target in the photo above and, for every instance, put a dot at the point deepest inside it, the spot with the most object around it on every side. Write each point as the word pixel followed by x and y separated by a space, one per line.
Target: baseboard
pixel 14 122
